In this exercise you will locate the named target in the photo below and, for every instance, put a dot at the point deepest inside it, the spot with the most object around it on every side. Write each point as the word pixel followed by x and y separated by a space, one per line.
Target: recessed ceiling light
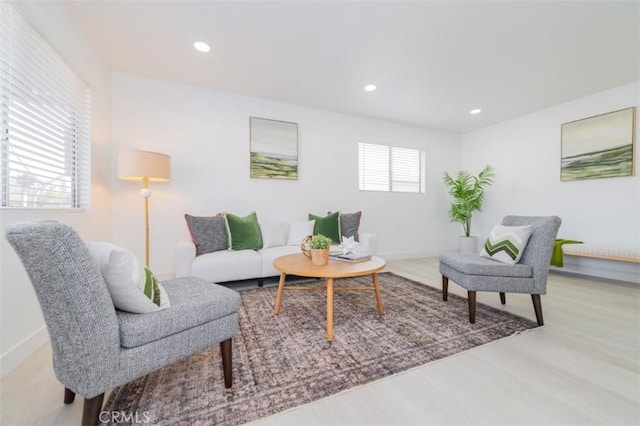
pixel 370 87
pixel 475 111
pixel 201 46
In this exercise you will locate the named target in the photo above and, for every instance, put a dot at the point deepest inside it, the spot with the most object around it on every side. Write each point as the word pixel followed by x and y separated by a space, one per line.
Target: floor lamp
pixel 147 167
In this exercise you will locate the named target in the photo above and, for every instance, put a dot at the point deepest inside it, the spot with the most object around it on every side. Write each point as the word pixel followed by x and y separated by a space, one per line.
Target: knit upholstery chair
pixel 529 276
pixel 96 347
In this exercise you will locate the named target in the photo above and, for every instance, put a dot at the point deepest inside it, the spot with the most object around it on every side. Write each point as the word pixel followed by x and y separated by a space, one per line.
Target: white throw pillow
pixel 132 286
pixel 271 234
pixel 506 243
pixel 298 231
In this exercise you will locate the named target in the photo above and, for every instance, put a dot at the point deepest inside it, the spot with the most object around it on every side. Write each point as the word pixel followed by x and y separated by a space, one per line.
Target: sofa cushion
pixel 270 254
pixel 506 243
pixel 133 287
pixel 329 226
pixel 227 265
pixel 194 302
pixel 243 232
pixel 298 231
pixel 208 233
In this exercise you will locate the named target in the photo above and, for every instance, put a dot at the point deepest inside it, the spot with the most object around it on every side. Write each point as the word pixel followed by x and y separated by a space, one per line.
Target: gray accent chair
pixel 476 273
pixel 96 347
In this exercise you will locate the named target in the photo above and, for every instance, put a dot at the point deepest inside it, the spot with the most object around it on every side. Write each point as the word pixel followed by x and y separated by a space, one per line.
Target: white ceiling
pixel 432 61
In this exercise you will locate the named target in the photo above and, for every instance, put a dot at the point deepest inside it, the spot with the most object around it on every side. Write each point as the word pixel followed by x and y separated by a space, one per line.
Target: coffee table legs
pixel 276 308
pixel 376 288
pixel 330 309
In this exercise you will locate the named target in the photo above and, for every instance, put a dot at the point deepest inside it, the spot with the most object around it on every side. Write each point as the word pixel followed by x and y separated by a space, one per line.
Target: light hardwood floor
pixel 581 368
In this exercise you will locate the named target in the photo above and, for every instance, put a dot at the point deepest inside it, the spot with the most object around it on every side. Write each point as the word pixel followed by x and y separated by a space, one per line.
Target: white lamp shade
pixel 140 165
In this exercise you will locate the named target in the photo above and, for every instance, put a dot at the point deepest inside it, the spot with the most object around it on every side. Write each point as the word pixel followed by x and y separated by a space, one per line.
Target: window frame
pixel 45 123
pixel 380 176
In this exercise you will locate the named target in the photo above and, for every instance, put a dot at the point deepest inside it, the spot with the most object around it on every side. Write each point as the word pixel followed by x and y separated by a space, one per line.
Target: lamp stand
pixel 146 193
pixel 145 166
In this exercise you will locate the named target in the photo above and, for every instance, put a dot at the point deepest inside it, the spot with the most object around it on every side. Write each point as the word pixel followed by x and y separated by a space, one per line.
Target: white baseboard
pixel 23 350
pixel 401 256
pixel 601 268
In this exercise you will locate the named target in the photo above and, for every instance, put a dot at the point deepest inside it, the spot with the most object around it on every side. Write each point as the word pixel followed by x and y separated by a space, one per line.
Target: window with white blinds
pixel 391 168
pixel 45 118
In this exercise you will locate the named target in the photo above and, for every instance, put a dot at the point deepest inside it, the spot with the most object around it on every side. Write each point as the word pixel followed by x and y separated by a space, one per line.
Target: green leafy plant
pixel 468 195
pixel 319 242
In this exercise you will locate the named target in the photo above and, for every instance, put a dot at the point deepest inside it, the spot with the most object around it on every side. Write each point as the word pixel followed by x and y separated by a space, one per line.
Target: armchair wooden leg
pixel 471 296
pixel 503 298
pixel 537 307
pixel 227 364
pixel 445 288
pixel 91 410
pixel 69 396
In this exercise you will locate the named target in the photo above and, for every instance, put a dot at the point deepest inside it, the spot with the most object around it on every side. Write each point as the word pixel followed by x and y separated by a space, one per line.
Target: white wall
pixel 22 328
pixel 206 133
pixel 526 155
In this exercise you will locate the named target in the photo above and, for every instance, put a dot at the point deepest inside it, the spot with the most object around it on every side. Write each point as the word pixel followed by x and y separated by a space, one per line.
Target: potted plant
pixel 468 195
pixel 319 249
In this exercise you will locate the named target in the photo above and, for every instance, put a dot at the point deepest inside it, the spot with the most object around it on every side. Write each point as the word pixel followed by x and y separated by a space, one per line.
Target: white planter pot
pixel 468 244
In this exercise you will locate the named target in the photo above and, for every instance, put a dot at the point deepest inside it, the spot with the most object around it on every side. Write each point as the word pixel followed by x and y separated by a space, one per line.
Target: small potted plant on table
pixel 318 249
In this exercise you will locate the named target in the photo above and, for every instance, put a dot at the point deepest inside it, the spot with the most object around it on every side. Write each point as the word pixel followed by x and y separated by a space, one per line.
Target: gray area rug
pixel 283 361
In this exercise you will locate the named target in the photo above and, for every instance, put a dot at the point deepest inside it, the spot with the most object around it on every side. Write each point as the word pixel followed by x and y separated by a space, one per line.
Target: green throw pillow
pixel 243 232
pixel 328 226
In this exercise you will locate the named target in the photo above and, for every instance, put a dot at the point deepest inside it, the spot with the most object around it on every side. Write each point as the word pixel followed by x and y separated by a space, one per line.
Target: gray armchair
pixel 96 347
pixel 529 276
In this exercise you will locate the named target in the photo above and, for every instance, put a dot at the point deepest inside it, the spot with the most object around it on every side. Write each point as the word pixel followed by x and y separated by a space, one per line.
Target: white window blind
pixel 45 118
pixel 391 169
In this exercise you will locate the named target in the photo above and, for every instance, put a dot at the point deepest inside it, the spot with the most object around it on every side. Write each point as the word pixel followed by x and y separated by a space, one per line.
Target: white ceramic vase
pixel 468 244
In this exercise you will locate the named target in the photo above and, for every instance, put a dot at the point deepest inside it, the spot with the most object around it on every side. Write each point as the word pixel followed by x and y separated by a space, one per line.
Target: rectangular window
pixel 45 119
pixel 391 168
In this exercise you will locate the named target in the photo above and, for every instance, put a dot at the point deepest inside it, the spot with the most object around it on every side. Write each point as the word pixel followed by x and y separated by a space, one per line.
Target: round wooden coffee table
pixel 300 265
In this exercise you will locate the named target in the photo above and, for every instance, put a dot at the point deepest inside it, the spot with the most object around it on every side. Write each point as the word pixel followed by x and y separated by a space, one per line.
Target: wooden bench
pixel 602 261
pixel 602 252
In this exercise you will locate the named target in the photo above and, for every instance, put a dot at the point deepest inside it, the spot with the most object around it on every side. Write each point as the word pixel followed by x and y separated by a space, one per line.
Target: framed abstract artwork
pixel 602 146
pixel 273 149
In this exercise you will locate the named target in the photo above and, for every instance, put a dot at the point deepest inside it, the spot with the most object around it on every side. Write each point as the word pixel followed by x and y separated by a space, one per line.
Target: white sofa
pixel 235 265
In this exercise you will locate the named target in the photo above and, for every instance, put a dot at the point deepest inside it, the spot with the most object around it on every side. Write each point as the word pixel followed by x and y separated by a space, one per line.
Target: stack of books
pixel 351 257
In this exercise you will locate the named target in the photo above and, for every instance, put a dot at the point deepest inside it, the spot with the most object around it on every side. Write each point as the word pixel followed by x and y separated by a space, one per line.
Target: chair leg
pixel 537 306
pixel 503 298
pixel 445 288
pixel 91 410
pixel 471 296
pixel 69 396
pixel 261 282
pixel 227 364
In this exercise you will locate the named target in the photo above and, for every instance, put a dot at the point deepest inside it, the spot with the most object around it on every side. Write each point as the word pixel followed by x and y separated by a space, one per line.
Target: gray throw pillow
pixel 209 233
pixel 350 224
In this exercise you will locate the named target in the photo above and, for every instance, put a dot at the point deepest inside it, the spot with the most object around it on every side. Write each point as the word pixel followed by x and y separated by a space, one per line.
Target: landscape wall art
pixel 599 147
pixel 274 149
